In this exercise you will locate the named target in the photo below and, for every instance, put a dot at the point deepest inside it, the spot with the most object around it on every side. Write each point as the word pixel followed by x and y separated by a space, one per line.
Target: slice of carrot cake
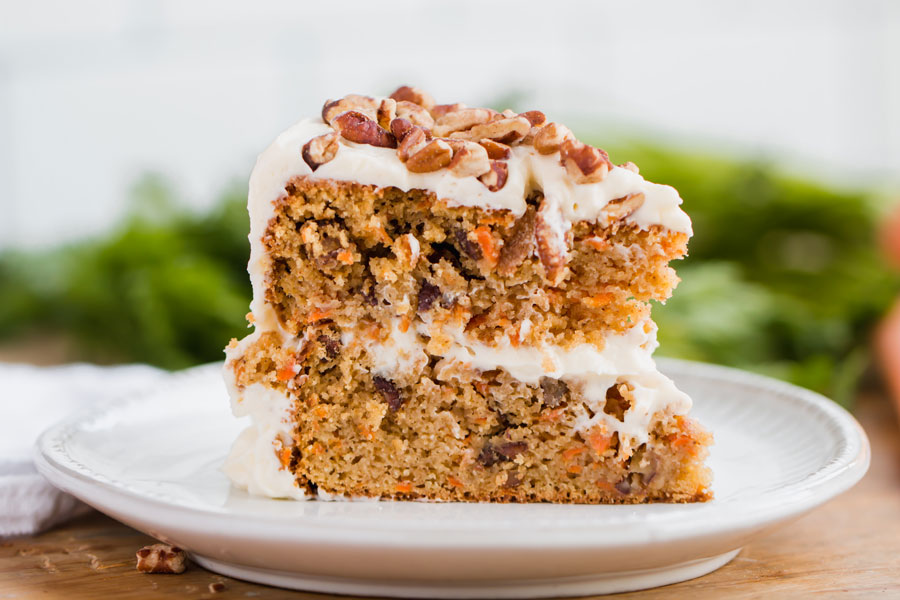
pixel 452 303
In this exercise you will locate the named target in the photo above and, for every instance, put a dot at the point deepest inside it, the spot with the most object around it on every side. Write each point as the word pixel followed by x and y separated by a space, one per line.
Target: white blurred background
pixel 94 93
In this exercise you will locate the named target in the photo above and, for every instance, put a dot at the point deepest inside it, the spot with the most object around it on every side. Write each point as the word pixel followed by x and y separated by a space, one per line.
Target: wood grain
pixel 849 548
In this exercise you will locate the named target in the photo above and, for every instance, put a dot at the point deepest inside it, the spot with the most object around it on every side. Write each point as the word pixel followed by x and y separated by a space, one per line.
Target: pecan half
pixel 471 160
pixel 415 114
pixel 387 112
pixel 413 140
pixel 506 131
pixel 364 104
pixel 319 150
pixel 549 137
pixel 357 127
pixel 459 120
pixel 496 178
pixel 160 558
pixel 518 245
pixel 585 164
pixel 406 93
pixel 621 208
pixel 435 155
pixel 496 150
pixel 552 246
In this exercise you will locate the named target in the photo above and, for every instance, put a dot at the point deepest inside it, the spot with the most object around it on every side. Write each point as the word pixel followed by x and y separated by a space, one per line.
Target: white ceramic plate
pixel 152 461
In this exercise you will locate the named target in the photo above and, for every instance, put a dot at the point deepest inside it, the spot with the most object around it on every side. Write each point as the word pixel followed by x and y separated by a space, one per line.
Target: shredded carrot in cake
pixel 552 415
pixel 366 432
pixel 287 371
pixel 598 301
pixel 598 439
pixel 574 468
pixel 345 256
pixel 597 243
pixel 455 482
pixel 572 453
pixel 318 315
pixel 404 487
pixel 486 241
pixel 404 324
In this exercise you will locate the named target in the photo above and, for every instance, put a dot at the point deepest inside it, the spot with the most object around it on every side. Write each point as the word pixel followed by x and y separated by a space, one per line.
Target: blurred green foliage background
pixel 784 276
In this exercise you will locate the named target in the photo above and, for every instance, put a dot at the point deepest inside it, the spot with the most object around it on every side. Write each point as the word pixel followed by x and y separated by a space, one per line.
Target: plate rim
pixel 784 503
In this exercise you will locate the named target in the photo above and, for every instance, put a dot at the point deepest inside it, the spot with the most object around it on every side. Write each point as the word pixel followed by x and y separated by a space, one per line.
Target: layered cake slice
pixel 452 303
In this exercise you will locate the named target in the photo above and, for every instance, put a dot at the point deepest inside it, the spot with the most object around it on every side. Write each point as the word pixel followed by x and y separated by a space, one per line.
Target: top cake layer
pixel 465 157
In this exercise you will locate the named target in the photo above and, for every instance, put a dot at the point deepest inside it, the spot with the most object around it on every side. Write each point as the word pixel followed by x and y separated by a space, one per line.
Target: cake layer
pixel 372 417
pixel 347 251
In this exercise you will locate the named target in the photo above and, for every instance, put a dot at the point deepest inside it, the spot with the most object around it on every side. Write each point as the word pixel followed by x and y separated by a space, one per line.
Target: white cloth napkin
pixel 32 399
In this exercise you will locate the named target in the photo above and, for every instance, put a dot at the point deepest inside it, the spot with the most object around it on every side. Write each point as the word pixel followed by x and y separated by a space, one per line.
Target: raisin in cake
pixel 452 303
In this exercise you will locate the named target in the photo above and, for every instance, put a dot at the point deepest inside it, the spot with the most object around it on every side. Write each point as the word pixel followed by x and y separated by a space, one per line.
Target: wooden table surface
pixel 849 548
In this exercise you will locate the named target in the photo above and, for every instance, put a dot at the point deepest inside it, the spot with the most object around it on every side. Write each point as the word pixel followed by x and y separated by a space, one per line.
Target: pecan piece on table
pixel 161 558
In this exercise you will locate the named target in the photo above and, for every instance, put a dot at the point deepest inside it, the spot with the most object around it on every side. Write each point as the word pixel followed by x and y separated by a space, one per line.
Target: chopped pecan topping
pixel 406 93
pixel 415 114
pixel 357 127
pixel 428 293
pixel 535 117
pixel 389 392
pixel 621 208
pixel 400 127
pixel 552 245
pixel 414 140
pixel 496 150
pixel 319 150
pixel 160 558
pixel 585 164
pixel 434 155
pixel 518 244
pixel 440 110
pixel 495 179
pixel 387 112
pixel 459 120
pixel 363 104
pixel 630 166
pixel 549 138
pixel 554 391
pixel 506 131
pixel 471 160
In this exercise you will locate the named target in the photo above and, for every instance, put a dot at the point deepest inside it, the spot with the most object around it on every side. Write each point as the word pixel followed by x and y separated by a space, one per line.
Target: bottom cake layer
pixel 328 422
